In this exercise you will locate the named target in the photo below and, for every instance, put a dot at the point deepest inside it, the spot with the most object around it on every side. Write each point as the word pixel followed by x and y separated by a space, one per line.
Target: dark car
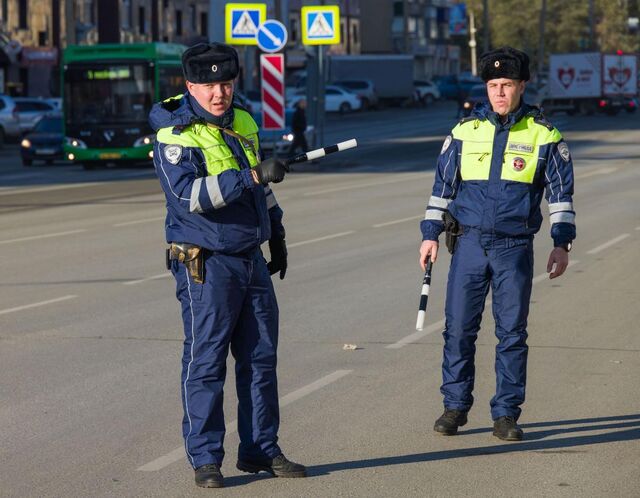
pixel 44 143
pixel 453 86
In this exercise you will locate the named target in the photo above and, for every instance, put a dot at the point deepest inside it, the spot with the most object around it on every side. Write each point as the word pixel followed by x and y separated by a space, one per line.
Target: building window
pixel 204 24
pixel 22 14
pixel 355 33
pixel 192 17
pixel 142 21
pixel 178 23
pixel 4 16
pixel 125 16
pixel 42 38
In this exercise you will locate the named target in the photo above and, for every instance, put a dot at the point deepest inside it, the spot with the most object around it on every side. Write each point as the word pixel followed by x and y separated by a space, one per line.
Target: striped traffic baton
pixel 424 297
pixel 321 152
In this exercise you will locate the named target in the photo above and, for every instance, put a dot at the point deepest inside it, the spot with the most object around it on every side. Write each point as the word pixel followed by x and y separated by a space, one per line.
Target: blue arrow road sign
pixel 272 36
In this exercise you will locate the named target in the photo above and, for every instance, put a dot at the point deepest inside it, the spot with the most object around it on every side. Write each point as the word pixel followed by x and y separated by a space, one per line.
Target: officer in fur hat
pixel 220 209
pixel 492 173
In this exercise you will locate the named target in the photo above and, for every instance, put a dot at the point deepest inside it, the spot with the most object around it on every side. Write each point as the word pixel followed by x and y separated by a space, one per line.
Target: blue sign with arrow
pixel 272 36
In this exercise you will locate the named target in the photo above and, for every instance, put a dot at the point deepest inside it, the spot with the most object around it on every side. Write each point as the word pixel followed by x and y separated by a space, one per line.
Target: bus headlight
pixel 467 105
pixel 288 137
pixel 25 143
pixel 71 157
pixel 150 154
pixel 75 142
pixel 146 140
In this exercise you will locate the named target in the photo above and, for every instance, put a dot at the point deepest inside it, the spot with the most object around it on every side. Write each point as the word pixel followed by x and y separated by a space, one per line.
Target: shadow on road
pixel 534 441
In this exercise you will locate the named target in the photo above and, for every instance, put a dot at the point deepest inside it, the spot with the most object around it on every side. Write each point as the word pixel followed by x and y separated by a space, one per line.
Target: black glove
pixel 271 170
pixel 278 250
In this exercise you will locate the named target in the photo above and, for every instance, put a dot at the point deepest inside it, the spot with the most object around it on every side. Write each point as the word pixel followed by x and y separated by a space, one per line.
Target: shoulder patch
pixel 173 153
pixel 446 144
pixel 563 150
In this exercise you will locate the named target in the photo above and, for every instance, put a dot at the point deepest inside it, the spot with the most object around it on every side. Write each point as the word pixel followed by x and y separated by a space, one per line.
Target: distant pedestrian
pixel 299 126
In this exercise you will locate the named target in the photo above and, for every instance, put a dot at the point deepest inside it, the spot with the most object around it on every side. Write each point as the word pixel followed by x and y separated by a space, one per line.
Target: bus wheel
pixel 89 166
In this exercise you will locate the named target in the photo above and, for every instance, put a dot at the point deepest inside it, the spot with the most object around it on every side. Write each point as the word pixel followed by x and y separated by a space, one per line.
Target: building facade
pixel 34 32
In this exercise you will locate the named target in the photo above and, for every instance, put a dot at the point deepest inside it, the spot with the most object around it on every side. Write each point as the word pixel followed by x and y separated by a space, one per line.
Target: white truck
pixel 591 81
pixel 391 74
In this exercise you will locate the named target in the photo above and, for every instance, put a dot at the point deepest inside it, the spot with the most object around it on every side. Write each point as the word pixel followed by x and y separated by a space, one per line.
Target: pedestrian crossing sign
pixel 320 25
pixel 242 21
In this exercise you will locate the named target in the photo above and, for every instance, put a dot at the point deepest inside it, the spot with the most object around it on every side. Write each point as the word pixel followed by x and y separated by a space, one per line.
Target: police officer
pixel 492 173
pixel 219 211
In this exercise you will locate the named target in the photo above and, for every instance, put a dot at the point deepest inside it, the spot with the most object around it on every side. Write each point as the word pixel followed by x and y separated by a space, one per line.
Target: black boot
pixel 506 428
pixel 209 476
pixel 449 422
pixel 278 466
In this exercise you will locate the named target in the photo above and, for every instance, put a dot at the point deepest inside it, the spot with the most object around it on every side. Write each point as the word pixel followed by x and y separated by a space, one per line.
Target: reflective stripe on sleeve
pixel 433 214
pixel 215 195
pixel 560 206
pixel 439 202
pixel 563 217
pixel 194 203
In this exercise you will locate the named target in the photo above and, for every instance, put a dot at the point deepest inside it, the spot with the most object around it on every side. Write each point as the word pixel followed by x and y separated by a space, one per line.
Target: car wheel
pixel 345 107
pixel 27 162
pixel 49 161
pixel 427 99
pixel 365 103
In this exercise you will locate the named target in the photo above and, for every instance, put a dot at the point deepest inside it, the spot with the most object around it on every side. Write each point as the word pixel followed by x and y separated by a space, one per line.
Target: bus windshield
pixel 108 93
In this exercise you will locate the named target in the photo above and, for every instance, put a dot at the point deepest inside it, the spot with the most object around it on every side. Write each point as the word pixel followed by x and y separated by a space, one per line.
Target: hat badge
pixel 519 164
pixel 496 63
pixel 214 68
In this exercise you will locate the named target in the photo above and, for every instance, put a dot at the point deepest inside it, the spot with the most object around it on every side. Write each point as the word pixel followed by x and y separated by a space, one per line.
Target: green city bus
pixel 108 92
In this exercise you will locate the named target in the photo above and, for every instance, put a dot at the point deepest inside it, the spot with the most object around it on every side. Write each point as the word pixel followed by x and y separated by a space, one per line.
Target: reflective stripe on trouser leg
pixel 209 313
pixel 512 269
pixel 254 346
pixel 467 289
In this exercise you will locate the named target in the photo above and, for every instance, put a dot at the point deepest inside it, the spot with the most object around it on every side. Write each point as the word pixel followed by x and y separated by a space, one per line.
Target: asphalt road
pixel 90 332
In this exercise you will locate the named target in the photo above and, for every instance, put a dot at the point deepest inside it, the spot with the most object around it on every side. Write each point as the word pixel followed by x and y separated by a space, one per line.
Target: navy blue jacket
pixel 227 212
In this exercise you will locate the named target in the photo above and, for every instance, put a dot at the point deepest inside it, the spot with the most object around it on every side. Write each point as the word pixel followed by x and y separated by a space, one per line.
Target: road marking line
pixel 47 189
pixel 135 222
pixel 35 305
pixel 419 334
pixel 319 239
pixel 604 246
pixel 368 184
pixel 410 218
pixel 45 236
pixel 603 171
pixel 178 453
pixel 155 277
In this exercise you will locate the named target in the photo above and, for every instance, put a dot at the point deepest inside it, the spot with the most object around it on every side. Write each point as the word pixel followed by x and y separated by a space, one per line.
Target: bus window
pixel 171 82
pixel 108 93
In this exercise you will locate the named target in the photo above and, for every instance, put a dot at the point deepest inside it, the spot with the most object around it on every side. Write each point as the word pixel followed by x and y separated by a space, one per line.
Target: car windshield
pixel 49 125
pixel 108 93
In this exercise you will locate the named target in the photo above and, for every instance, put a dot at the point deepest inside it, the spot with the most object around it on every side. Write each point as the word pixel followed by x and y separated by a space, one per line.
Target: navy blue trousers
pixel 505 265
pixel 235 308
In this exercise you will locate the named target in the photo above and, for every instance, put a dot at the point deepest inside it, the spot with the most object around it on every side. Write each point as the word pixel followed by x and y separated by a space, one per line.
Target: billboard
pixel 458 19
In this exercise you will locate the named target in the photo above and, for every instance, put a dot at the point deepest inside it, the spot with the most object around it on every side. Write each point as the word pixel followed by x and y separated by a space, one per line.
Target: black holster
pixel 453 230
pixel 191 255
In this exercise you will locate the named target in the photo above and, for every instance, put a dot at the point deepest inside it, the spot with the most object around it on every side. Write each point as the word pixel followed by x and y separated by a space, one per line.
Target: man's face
pixel 213 97
pixel 504 95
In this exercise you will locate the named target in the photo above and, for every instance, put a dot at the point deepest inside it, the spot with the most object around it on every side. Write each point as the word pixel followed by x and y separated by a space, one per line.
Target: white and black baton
pixel 321 152
pixel 424 297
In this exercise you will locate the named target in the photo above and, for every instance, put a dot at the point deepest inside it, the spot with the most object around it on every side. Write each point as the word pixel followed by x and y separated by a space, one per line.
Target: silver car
pixel 19 115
